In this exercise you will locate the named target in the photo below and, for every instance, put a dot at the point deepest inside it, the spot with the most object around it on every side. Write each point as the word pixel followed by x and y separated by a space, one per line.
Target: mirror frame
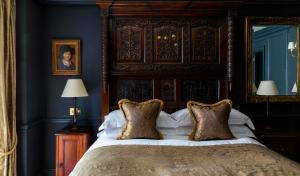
pixel 249 22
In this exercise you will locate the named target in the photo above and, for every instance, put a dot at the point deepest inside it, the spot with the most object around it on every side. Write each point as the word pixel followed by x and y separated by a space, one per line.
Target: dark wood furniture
pixel 172 50
pixel 285 142
pixel 70 146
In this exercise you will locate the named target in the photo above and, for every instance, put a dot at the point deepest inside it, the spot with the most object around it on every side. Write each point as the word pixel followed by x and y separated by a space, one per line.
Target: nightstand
pixel 285 142
pixel 70 146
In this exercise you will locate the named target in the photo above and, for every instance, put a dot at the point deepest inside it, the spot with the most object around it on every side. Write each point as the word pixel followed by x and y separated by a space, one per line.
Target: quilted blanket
pixel 146 160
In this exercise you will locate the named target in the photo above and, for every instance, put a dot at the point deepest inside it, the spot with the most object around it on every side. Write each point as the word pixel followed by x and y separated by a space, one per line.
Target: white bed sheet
pixel 108 141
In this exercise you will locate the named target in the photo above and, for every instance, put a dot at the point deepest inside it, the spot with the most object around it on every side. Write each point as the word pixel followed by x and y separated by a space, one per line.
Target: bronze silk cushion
pixel 140 119
pixel 210 120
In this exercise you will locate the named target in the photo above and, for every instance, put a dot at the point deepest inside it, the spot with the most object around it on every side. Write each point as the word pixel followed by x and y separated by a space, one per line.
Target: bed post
pixel 104 7
pixel 230 24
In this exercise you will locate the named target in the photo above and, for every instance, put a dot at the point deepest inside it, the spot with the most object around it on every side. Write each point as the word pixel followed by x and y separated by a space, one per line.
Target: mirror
pixel 272 52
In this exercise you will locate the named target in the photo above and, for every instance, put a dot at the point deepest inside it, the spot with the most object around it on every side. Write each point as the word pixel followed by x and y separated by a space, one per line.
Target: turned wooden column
pixel 230 49
pixel 104 8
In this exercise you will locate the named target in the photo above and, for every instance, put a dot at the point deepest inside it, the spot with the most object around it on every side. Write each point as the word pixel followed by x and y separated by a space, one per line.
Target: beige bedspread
pixel 235 159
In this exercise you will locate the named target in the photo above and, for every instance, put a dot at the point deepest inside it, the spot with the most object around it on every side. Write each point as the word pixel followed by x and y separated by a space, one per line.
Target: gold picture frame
pixel 66 58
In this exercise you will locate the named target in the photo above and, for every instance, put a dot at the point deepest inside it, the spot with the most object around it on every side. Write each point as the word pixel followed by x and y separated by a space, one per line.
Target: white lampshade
pixel 291 45
pixel 74 88
pixel 294 89
pixel 267 88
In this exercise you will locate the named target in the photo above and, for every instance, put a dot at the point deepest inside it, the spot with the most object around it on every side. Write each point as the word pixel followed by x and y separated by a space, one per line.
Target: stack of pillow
pixel 196 122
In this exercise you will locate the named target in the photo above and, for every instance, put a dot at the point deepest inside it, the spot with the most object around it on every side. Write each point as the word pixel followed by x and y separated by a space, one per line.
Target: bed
pixel 176 155
pixel 175 51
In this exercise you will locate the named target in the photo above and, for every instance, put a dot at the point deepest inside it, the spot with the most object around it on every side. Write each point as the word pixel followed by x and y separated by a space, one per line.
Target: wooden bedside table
pixel 70 146
pixel 285 142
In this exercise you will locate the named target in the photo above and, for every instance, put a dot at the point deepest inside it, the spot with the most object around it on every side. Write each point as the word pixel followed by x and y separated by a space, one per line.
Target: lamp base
pixel 74 127
pixel 74 123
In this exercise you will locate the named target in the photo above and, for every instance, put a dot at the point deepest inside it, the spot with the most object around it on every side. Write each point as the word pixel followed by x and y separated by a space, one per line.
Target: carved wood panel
pixel 145 43
pixel 136 90
pixel 167 89
pixel 200 90
pixel 167 44
pixel 130 44
pixel 205 44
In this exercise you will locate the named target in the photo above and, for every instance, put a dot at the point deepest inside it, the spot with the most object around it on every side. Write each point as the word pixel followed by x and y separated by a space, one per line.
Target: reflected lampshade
pixel 74 88
pixel 267 87
pixel 291 46
pixel 294 89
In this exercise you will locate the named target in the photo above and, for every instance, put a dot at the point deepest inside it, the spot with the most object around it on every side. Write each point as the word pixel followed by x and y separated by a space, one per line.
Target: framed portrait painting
pixel 66 57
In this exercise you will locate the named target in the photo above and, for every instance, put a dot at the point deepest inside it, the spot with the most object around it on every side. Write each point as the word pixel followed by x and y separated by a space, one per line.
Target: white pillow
pixel 235 118
pixel 165 120
pixel 238 131
pixel 241 131
pixel 110 133
pixel 168 133
pixel 115 119
pixel 238 118
pixel 183 118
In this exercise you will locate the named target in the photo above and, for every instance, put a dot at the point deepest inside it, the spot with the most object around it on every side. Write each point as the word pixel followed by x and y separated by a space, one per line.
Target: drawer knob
pixel 61 164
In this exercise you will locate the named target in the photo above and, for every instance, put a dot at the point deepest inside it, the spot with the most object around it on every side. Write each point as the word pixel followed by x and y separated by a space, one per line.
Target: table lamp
pixel 267 88
pixel 74 88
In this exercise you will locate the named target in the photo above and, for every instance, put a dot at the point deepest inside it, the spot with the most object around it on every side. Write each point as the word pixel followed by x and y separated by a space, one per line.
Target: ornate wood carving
pixel 173 50
pixel 104 57
pixel 184 41
pixel 136 90
pixel 172 68
pixel 167 90
pixel 130 41
pixel 104 46
pixel 230 23
pixel 167 43
pixel 205 44
pixel 200 90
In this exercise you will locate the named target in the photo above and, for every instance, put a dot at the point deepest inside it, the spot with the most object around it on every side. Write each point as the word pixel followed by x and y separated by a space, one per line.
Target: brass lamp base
pixel 74 123
pixel 74 127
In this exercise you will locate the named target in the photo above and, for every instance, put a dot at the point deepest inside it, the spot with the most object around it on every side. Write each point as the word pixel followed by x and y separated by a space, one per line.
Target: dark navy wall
pixel 30 88
pixel 73 23
pixel 70 22
pixel 40 109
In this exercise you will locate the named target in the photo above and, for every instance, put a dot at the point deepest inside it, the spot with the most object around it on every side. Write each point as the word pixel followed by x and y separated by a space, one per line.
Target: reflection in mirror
pixel 272 53
pixel 274 56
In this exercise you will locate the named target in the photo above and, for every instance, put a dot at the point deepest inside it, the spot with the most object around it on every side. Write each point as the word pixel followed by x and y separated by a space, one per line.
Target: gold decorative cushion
pixel 140 119
pixel 210 120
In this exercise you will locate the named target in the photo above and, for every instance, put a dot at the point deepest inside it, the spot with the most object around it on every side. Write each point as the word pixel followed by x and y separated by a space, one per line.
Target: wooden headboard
pixel 172 50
